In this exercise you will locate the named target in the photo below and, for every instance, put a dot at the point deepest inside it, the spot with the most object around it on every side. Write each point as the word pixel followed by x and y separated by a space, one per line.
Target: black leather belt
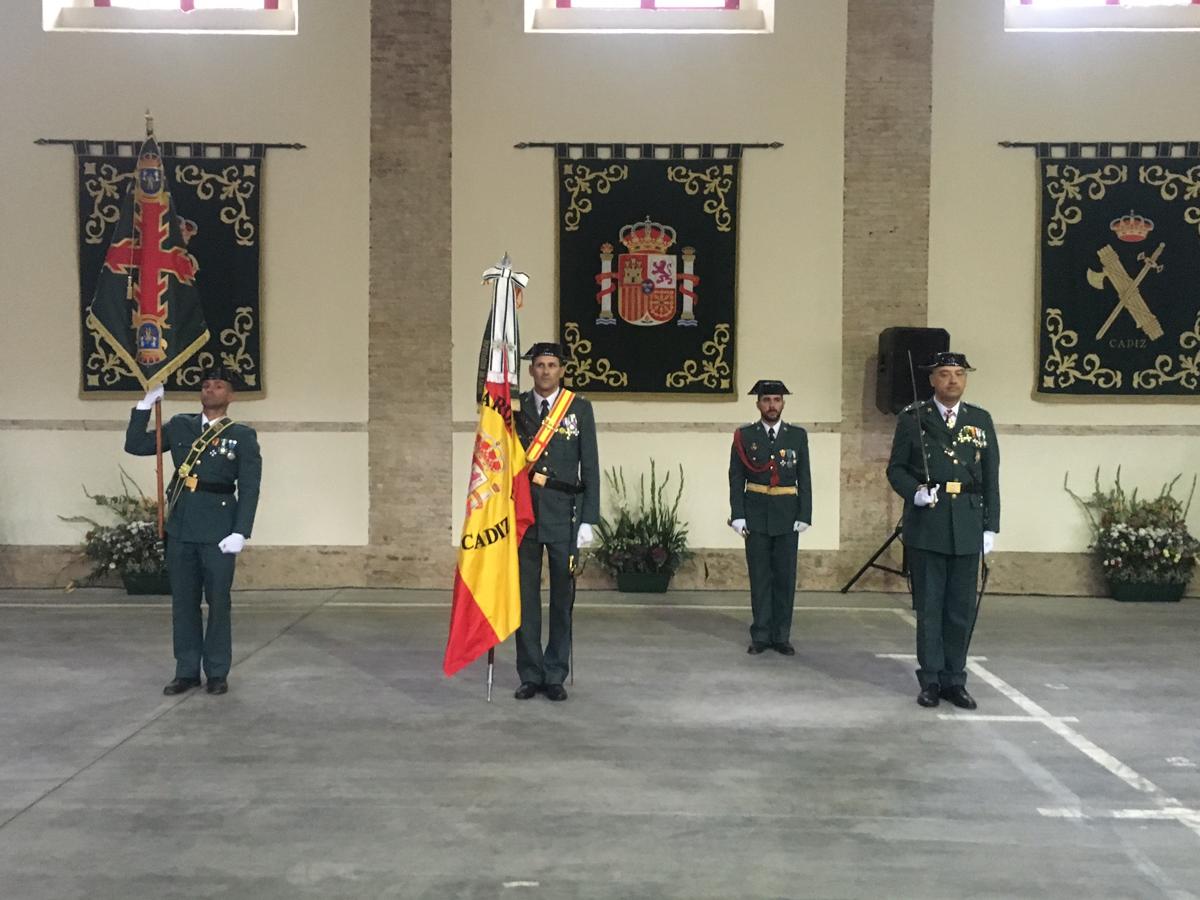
pixel 214 487
pixel 956 487
pixel 542 480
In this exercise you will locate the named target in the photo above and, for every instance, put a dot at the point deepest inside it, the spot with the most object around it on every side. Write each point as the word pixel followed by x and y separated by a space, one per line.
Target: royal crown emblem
pixel 648 279
pixel 487 467
pixel 1131 228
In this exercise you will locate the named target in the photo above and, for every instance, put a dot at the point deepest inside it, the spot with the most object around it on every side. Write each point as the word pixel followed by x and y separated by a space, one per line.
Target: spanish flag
pixel 487 585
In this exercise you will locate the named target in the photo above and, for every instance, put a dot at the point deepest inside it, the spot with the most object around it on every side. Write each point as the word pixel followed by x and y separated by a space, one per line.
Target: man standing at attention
pixel 558 430
pixel 945 463
pixel 770 502
pixel 211 501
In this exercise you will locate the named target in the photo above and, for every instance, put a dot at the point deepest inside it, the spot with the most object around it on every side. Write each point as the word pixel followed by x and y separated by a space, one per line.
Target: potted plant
pixel 1144 547
pixel 131 548
pixel 644 543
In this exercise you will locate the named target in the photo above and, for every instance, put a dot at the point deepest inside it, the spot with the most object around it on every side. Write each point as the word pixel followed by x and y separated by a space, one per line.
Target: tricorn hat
pixel 948 358
pixel 769 387
pixel 222 373
pixel 545 348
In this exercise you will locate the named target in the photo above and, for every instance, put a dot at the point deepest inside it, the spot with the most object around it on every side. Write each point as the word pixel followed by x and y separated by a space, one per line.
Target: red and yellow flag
pixel 487 585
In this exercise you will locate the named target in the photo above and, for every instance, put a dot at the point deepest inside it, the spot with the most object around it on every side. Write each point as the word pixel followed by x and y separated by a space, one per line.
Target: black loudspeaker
pixel 893 384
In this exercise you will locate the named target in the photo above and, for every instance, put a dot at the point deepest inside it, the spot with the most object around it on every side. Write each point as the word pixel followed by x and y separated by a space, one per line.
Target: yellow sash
pixel 184 472
pixel 549 425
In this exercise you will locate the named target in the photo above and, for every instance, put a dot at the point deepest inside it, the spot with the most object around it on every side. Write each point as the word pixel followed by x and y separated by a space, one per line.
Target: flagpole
pixel 159 468
pixel 491 670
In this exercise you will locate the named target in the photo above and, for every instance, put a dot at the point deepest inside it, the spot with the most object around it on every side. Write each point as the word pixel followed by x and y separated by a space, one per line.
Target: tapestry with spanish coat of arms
pixel 217 204
pixel 647 251
pixel 1120 275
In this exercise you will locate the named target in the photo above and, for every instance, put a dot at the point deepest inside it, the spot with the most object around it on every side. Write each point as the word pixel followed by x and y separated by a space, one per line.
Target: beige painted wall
pixel 509 86
pixel 312 88
pixel 990 86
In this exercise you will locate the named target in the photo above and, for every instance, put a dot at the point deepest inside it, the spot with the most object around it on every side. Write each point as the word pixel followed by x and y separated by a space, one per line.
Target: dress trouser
pixel 533 665
pixel 194 569
pixel 944 598
pixel 771 561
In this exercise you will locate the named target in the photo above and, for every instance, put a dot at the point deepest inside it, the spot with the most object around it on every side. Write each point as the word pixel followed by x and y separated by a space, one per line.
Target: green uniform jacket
pixel 571 457
pixel 771 514
pixel 968 454
pixel 202 516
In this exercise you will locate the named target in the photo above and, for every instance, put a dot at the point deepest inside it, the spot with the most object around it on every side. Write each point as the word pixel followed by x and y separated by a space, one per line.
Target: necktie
pixel 771 435
pixel 545 408
pixel 950 417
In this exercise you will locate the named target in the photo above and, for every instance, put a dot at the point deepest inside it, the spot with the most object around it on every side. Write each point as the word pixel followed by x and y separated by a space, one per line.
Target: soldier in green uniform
pixel 212 499
pixel 558 431
pixel 945 463
pixel 770 502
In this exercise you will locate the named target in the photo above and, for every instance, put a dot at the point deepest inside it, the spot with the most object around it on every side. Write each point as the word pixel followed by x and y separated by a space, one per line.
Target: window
pixel 1102 15
pixel 651 16
pixel 176 16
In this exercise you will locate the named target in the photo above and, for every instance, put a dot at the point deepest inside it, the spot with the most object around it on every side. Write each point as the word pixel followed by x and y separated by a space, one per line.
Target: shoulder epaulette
pixel 976 407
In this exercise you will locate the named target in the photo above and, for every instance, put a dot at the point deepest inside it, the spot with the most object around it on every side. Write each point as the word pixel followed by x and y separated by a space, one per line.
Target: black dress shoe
pixel 957 694
pixel 179 685
pixel 217 686
pixel 526 690
pixel 555 692
pixel 929 695
pixel 785 648
pixel 756 647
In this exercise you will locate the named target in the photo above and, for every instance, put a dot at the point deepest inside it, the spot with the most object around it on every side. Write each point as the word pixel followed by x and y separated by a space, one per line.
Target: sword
pixel 979 599
pixel 920 428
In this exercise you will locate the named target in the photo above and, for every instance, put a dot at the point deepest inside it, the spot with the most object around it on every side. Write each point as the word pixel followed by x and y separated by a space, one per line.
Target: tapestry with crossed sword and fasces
pixel 647 254
pixel 1120 277
pixel 196 234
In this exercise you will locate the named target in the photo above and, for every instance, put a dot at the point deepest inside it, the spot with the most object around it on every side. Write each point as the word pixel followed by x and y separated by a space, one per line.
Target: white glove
pixel 232 544
pixel 800 527
pixel 739 526
pixel 585 536
pixel 989 541
pixel 926 496
pixel 152 396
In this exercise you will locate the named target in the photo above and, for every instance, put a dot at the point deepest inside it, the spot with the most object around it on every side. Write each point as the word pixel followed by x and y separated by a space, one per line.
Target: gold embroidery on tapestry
pixel 237 185
pixel 1064 368
pixel 1168 184
pixel 582 371
pixel 715 182
pixel 1068 191
pixel 1188 374
pixel 237 359
pixel 105 189
pixel 578 180
pixel 103 365
pixel 713 372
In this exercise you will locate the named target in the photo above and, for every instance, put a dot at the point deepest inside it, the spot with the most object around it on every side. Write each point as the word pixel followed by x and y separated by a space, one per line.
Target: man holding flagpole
pixel 486 606
pixel 564 469
pixel 212 499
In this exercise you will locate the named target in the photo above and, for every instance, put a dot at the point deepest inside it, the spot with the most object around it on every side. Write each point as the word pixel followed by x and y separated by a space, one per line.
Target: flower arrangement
pixel 132 546
pixel 645 534
pixel 1138 540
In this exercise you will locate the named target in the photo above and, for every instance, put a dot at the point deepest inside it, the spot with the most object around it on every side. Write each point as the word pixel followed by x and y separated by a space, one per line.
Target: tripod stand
pixel 871 564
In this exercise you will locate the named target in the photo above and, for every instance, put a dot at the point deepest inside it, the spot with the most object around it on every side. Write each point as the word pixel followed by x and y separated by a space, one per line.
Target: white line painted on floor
pixel 976 717
pixel 1166 814
pixel 1189 818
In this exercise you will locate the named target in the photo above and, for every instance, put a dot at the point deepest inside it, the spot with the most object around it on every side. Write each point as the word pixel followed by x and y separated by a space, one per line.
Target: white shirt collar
pixel 778 426
pixel 942 409
pixel 538 398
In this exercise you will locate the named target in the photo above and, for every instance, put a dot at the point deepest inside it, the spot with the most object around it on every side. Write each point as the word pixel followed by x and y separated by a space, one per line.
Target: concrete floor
pixel 342 763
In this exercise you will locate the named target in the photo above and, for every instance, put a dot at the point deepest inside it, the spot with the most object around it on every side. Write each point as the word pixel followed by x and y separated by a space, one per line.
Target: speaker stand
pixel 871 564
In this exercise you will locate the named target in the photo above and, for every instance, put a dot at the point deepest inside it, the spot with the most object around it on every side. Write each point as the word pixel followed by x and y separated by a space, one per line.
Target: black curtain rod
pixel 76 141
pixel 530 145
